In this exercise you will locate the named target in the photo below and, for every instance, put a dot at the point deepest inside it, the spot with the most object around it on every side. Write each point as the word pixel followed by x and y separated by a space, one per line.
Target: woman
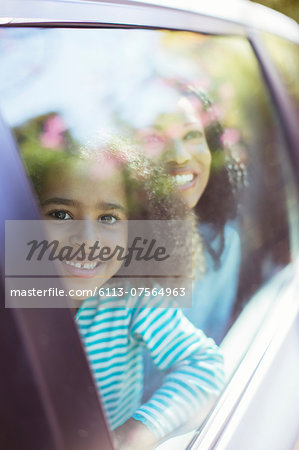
pixel 205 164
pixel 207 169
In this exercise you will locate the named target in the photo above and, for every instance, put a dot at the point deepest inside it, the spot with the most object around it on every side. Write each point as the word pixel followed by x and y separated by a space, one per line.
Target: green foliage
pixel 287 7
pixel 38 156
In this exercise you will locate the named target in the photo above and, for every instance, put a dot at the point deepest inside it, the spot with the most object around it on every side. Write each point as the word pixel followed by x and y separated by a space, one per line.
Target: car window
pixel 285 56
pixel 175 129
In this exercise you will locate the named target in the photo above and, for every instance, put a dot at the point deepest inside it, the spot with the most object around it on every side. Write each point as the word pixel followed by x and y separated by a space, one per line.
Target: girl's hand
pixel 133 435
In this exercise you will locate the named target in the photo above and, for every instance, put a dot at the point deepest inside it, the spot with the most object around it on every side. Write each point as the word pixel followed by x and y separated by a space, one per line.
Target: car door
pixel 48 70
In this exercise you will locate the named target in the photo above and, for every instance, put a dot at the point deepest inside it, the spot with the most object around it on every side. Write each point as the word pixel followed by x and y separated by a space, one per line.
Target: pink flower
pixel 106 168
pixel 152 142
pixel 230 137
pixel 53 132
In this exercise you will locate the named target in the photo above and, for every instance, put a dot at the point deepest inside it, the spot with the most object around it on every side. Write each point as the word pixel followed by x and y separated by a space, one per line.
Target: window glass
pixel 173 129
pixel 285 55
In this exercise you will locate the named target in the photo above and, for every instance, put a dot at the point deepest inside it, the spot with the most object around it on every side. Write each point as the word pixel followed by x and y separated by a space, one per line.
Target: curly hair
pixel 152 196
pixel 150 192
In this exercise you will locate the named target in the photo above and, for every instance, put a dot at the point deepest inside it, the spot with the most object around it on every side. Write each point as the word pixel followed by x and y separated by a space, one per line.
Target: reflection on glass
pixel 285 56
pixel 109 135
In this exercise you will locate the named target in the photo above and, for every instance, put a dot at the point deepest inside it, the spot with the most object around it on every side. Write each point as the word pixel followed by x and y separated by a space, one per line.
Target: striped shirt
pixel 114 332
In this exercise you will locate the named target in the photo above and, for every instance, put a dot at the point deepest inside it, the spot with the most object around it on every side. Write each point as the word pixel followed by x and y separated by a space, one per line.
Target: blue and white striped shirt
pixel 114 331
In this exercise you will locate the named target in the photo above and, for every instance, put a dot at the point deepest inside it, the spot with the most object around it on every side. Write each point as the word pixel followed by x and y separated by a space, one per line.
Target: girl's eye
pixel 60 215
pixel 108 219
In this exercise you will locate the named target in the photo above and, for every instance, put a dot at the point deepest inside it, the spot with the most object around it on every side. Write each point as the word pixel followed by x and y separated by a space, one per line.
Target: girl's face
pixel 178 139
pixel 86 205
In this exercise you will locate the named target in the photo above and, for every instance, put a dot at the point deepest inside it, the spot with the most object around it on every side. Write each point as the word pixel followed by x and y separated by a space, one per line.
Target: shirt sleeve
pixel 193 364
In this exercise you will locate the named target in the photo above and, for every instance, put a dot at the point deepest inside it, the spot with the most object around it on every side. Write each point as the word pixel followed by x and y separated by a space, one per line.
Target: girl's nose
pixel 177 154
pixel 84 231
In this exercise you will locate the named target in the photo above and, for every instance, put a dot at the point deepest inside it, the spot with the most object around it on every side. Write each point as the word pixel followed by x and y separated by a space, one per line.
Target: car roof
pixel 248 14
pixel 243 12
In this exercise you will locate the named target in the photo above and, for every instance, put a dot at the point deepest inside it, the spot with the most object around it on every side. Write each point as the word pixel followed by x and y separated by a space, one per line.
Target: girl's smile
pixel 83 270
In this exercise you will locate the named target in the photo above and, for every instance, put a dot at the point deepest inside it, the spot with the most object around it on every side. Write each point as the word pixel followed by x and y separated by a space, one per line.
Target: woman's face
pixel 178 139
pixel 86 205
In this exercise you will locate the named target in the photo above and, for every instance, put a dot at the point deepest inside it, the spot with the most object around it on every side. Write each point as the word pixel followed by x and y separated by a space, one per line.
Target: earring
pixel 235 158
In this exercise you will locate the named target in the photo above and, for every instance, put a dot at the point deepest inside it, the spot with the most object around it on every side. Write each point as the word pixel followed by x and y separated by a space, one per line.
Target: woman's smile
pixel 184 177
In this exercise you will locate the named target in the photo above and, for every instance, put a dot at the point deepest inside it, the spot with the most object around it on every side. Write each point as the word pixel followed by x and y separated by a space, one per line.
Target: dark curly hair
pixel 218 203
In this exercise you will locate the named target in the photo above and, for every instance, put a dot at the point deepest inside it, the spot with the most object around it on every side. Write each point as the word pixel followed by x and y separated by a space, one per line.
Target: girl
pixel 104 190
